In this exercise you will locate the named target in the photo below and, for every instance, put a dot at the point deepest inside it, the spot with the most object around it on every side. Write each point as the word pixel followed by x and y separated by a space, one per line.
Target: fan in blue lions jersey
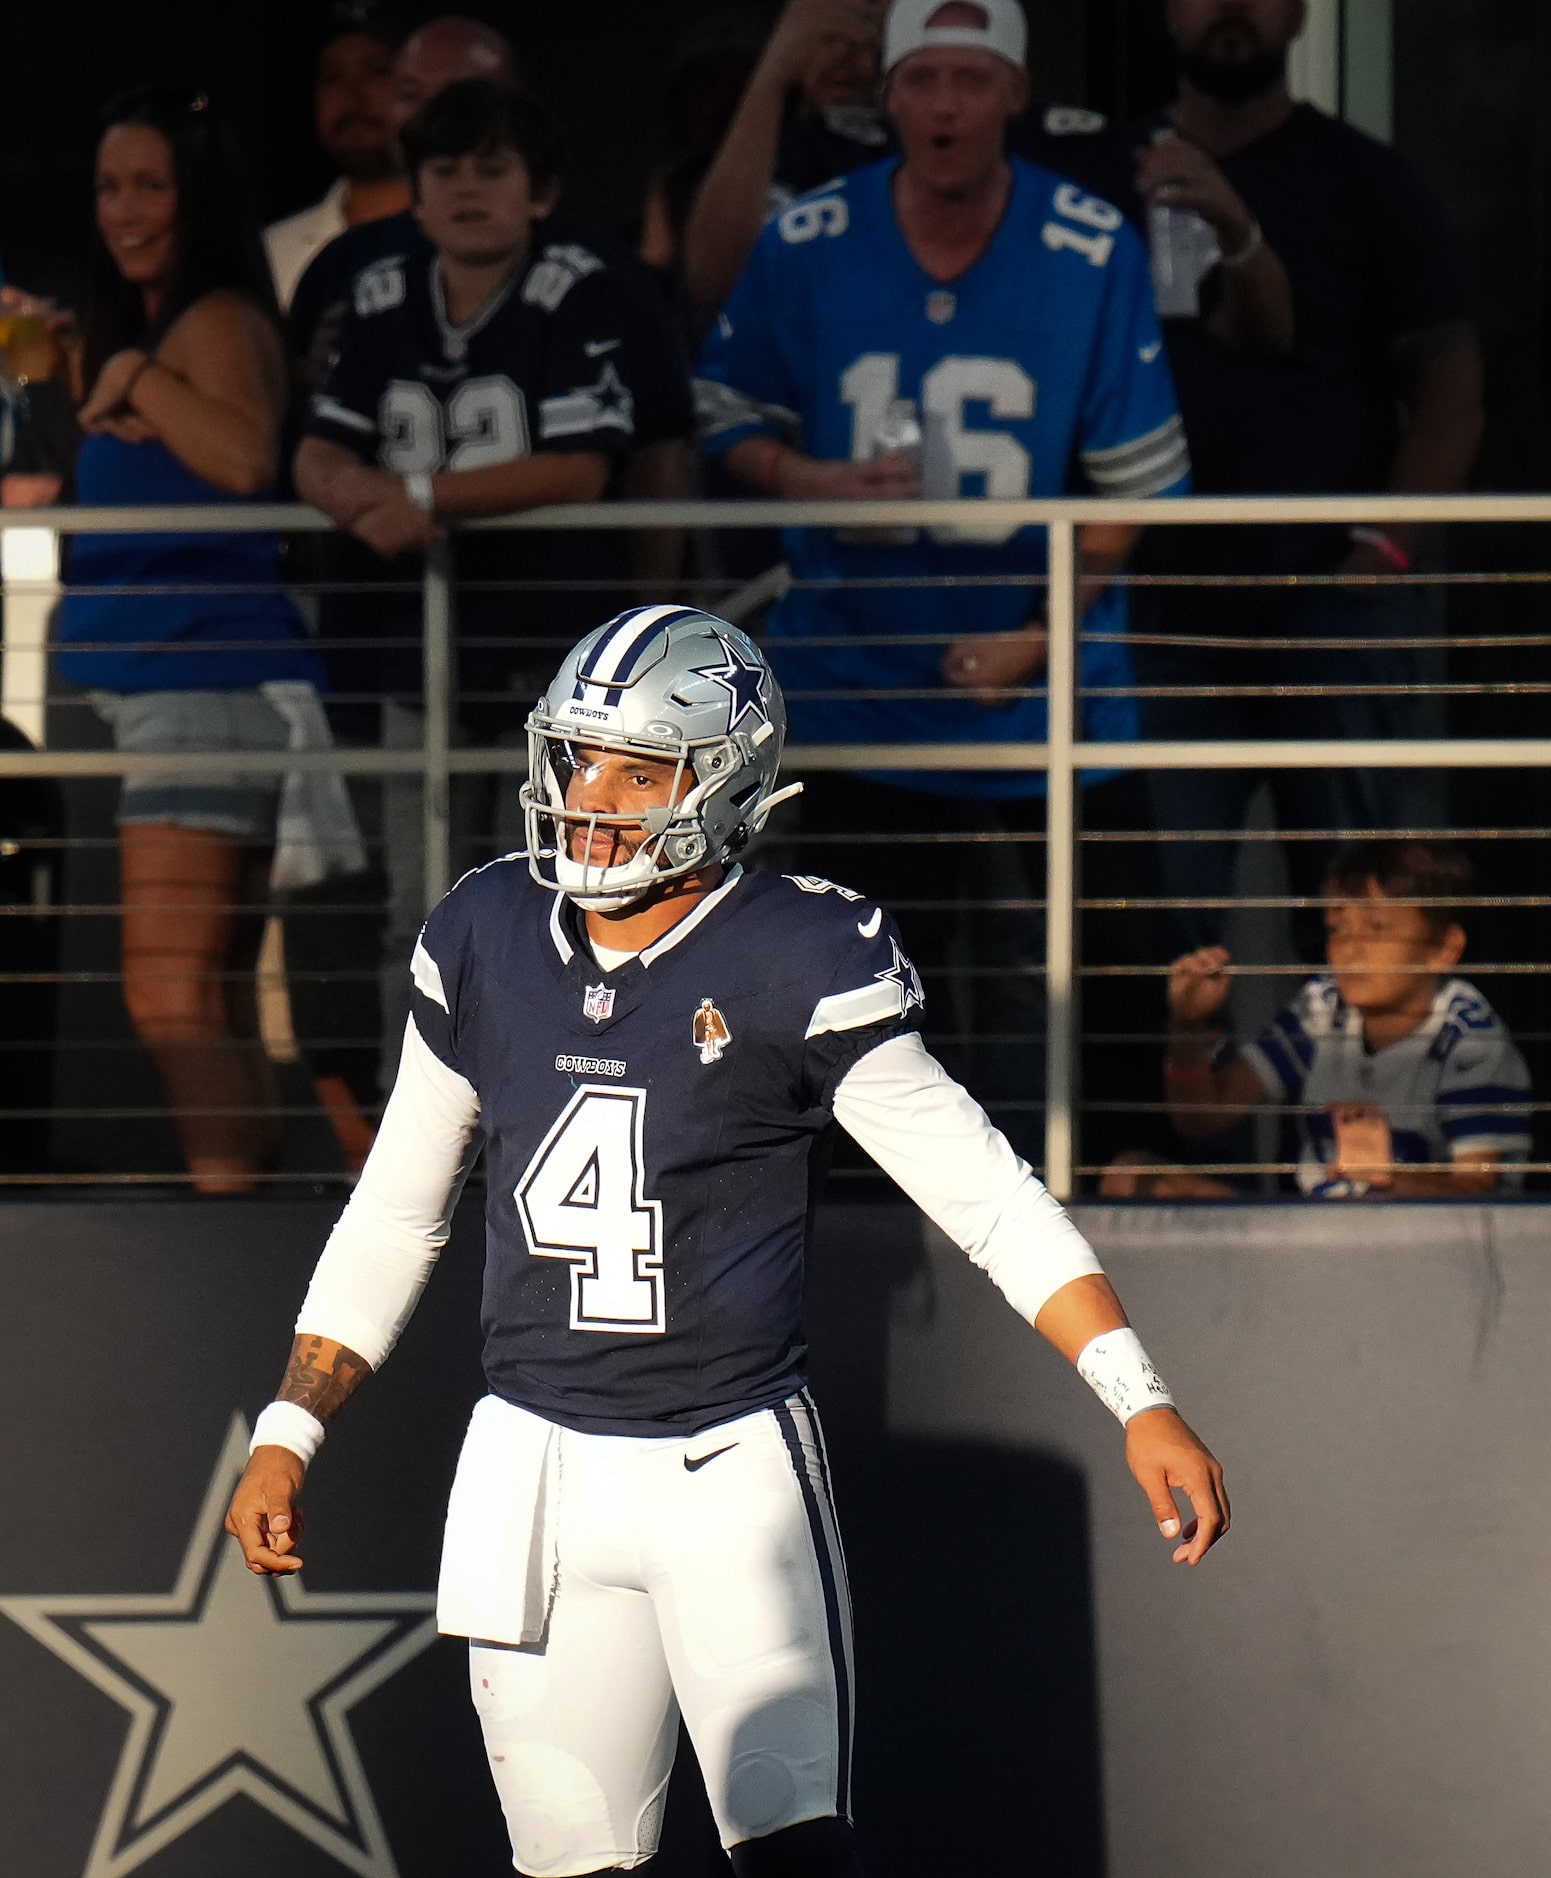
pixel 1009 316
pixel 652 1047
pixel 1005 318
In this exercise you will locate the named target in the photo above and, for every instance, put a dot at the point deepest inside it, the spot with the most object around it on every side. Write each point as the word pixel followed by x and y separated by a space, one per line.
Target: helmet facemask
pixel 675 843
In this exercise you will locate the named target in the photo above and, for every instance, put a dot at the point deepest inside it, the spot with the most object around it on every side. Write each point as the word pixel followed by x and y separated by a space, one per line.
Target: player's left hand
pixel 996 661
pixel 1167 1457
pixel 1176 174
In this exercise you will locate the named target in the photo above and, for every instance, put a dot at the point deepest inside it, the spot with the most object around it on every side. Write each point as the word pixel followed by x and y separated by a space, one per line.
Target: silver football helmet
pixel 669 682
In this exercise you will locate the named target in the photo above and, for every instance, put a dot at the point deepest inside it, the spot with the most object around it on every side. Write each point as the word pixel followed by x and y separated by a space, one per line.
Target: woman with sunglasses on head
pixel 185 392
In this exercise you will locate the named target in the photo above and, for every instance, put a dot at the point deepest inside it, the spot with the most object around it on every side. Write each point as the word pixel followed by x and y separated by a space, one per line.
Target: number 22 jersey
pixel 653 1133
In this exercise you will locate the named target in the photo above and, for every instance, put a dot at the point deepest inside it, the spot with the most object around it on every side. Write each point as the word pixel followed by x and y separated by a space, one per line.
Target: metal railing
pixel 1063 756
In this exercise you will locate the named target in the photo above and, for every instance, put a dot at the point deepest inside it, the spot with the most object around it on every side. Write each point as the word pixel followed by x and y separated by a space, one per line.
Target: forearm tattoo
pixel 322 1376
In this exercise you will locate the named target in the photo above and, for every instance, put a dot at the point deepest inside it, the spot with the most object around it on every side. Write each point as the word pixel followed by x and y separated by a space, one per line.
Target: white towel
pixel 498 1555
pixel 316 833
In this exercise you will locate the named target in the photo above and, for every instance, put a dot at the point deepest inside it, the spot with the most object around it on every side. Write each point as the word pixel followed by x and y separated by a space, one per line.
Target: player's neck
pixel 634 928
pixel 948 230
pixel 1221 128
pixel 467 285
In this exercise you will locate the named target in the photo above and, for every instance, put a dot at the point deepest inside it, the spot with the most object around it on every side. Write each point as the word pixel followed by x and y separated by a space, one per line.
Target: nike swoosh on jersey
pixel 869 928
pixel 694 1462
pixel 1148 353
pixel 595 348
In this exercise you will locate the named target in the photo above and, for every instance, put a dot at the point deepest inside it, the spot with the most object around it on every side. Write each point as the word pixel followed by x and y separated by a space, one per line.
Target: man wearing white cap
pixel 810 112
pixel 954 322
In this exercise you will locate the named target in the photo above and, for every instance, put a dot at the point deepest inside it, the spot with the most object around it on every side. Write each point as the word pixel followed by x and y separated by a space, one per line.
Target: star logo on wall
pixel 234 1685
pixel 741 681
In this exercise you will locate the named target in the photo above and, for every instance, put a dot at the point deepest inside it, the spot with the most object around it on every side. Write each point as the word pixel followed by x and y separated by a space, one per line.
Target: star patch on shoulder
pixel 908 980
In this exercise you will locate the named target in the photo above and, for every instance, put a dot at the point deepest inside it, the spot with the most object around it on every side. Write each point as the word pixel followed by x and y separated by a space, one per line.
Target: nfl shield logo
pixel 598 1004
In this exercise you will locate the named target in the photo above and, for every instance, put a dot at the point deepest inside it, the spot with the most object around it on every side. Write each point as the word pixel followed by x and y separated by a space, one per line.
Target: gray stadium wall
pixel 1356 1682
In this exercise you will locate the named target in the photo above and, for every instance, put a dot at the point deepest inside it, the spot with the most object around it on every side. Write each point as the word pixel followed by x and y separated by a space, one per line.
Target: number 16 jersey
pixel 653 1133
pixel 1038 371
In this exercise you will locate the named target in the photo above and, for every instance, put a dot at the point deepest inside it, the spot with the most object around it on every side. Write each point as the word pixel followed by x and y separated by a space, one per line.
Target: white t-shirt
pixel 292 242
pixel 1456 1083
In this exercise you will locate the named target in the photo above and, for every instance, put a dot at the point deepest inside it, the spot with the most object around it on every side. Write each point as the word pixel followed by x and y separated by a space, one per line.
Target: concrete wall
pixel 1355 1683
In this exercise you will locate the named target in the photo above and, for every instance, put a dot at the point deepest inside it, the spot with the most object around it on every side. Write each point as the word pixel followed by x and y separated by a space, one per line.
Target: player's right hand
pixel 1198 985
pixel 265 1517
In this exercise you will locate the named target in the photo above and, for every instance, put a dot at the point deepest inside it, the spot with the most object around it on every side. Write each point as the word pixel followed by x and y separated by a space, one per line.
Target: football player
pixel 651 1045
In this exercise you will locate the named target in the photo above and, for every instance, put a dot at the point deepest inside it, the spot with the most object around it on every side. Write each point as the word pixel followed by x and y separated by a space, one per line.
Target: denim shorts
pixel 227 802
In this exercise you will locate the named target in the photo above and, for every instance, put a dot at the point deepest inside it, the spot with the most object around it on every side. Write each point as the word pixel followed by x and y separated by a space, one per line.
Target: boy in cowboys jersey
pixel 1403 1079
pixel 494 372
pixel 650 1044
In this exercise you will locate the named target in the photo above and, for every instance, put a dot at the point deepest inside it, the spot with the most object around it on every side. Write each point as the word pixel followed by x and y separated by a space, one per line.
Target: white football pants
pixel 701 1576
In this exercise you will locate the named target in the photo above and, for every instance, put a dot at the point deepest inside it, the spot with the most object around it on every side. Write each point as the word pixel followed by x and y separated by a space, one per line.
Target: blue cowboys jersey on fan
pixel 654 1134
pixel 1038 370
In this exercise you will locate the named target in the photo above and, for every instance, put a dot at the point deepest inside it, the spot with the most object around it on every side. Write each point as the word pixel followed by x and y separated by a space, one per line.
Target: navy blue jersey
pixel 651 1133
pixel 555 361
pixel 1038 371
pixel 548 363
pixel 323 294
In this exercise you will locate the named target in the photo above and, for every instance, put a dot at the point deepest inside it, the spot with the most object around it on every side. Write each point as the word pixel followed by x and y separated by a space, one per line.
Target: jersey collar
pixel 672 937
pixel 455 339
pixel 675 934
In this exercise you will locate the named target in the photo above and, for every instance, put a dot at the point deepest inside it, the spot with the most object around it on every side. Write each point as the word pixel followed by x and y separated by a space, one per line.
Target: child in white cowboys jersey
pixel 1405 1079
pixel 652 1046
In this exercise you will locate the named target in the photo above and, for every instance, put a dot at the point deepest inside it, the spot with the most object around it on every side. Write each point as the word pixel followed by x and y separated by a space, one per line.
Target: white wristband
pixel 1120 1373
pixel 417 486
pixel 288 1425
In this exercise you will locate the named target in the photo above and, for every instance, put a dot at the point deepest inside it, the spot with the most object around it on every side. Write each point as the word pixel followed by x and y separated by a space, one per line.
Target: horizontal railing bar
pixel 1221 1169
pixel 1328 753
pixel 1189 511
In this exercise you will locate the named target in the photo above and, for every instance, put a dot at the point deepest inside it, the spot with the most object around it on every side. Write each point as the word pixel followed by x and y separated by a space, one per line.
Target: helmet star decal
pixel 741 681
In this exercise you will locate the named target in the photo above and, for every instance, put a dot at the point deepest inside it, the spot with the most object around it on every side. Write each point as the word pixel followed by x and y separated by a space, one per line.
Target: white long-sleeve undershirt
pixel 933 1140
pixel 922 1128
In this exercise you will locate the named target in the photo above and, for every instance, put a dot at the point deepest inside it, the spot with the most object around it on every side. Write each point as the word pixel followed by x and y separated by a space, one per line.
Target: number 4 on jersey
pixel 581 1200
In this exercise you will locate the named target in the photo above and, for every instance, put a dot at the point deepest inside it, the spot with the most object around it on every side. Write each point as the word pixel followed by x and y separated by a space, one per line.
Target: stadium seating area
pixel 224 1009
